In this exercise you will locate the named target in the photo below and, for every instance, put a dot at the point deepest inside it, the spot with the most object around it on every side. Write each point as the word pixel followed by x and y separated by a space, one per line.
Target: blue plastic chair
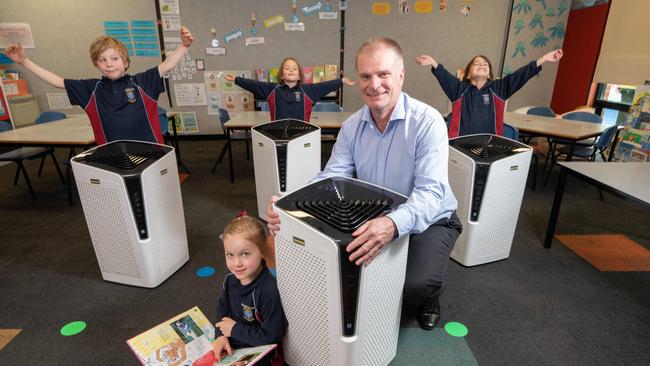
pixel 587 152
pixel 541 111
pixel 49 116
pixel 164 122
pixel 583 116
pixel 326 107
pixel 27 153
pixel 510 132
pixel 572 116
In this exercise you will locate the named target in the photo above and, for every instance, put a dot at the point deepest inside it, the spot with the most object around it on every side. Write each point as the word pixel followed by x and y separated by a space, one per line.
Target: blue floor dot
pixel 206 271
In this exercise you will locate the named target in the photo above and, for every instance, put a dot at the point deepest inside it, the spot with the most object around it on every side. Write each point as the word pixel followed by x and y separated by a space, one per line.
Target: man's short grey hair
pixel 376 43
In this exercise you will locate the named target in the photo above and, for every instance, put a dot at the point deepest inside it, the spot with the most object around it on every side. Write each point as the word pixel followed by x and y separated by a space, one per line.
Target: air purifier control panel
pixel 281 150
pixel 350 275
pixel 480 179
pixel 134 190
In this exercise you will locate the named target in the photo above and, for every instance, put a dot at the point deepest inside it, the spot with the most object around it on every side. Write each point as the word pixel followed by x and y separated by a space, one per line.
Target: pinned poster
pixel 380 8
pixel 254 40
pixel 171 22
pixel 189 94
pixel 422 7
pixel 214 103
pixel 169 7
pixel 212 81
pixel 294 27
pixel 403 7
pixel 190 123
pixel 11 33
pixel 215 51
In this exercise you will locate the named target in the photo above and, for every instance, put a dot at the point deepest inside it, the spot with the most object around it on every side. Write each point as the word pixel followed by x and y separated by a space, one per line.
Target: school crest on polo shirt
pixel 130 94
pixel 298 96
pixel 486 99
pixel 249 314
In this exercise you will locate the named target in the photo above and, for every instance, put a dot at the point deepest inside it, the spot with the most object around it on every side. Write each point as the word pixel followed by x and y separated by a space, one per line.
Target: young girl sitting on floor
pixel 250 312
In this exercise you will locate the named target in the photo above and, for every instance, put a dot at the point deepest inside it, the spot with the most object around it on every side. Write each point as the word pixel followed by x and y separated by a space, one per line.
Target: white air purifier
pixel 487 174
pixel 131 198
pixel 286 155
pixel 338 313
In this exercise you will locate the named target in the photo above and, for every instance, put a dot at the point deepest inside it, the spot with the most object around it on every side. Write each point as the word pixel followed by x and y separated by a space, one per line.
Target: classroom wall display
pixel 536 27
pixel 138 36
pixel 444 33
pixel 52 25
pixel 318 44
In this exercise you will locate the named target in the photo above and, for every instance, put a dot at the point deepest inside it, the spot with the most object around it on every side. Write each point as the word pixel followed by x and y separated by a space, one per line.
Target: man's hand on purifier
pixel 272 217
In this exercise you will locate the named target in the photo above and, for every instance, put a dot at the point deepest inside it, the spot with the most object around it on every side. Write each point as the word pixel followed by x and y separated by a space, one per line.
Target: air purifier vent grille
pixel 295 261
pixel 486 151
pixel 285 129
pixel 119 159
pixel 109 229
pixel 344 215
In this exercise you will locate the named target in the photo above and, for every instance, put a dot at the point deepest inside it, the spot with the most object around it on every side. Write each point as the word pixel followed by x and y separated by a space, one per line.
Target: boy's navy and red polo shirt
pixel 122 109
pixel 481 110
pixel 286 102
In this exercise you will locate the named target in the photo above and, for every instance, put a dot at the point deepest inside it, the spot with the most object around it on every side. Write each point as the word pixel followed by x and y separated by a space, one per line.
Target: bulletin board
pixel 452 36
pixel 318 44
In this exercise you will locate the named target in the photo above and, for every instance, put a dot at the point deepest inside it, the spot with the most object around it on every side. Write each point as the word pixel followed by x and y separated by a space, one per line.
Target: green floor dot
pixel 456 329
pixel 73 328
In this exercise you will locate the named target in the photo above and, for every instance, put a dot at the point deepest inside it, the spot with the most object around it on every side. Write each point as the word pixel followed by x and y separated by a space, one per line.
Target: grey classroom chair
pixel 27 153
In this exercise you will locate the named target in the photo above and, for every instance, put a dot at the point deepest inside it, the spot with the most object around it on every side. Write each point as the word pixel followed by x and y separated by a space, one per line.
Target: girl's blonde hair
pixel 250 229
pixel 300 73
pixel 102 43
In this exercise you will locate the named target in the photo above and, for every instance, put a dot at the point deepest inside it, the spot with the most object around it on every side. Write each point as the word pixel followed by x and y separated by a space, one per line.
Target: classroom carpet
pixel 609 252
pixel 538 307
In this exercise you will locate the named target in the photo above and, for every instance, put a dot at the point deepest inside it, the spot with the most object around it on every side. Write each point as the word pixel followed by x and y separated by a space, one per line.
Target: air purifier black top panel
pixel 285 129
pixel 125 157
pixel 338 206
pixel 487 148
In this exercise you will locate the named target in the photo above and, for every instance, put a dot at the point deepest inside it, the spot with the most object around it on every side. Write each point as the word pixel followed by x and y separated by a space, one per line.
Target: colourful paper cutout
pixel 423 7
pixel 272 21
pixel 380 8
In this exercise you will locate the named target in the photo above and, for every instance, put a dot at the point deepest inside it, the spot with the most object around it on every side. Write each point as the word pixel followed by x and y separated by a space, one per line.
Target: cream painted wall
pixel 625 51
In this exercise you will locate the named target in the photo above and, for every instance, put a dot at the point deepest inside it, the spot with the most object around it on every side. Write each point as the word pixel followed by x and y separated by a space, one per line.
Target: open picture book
pixel 186 339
